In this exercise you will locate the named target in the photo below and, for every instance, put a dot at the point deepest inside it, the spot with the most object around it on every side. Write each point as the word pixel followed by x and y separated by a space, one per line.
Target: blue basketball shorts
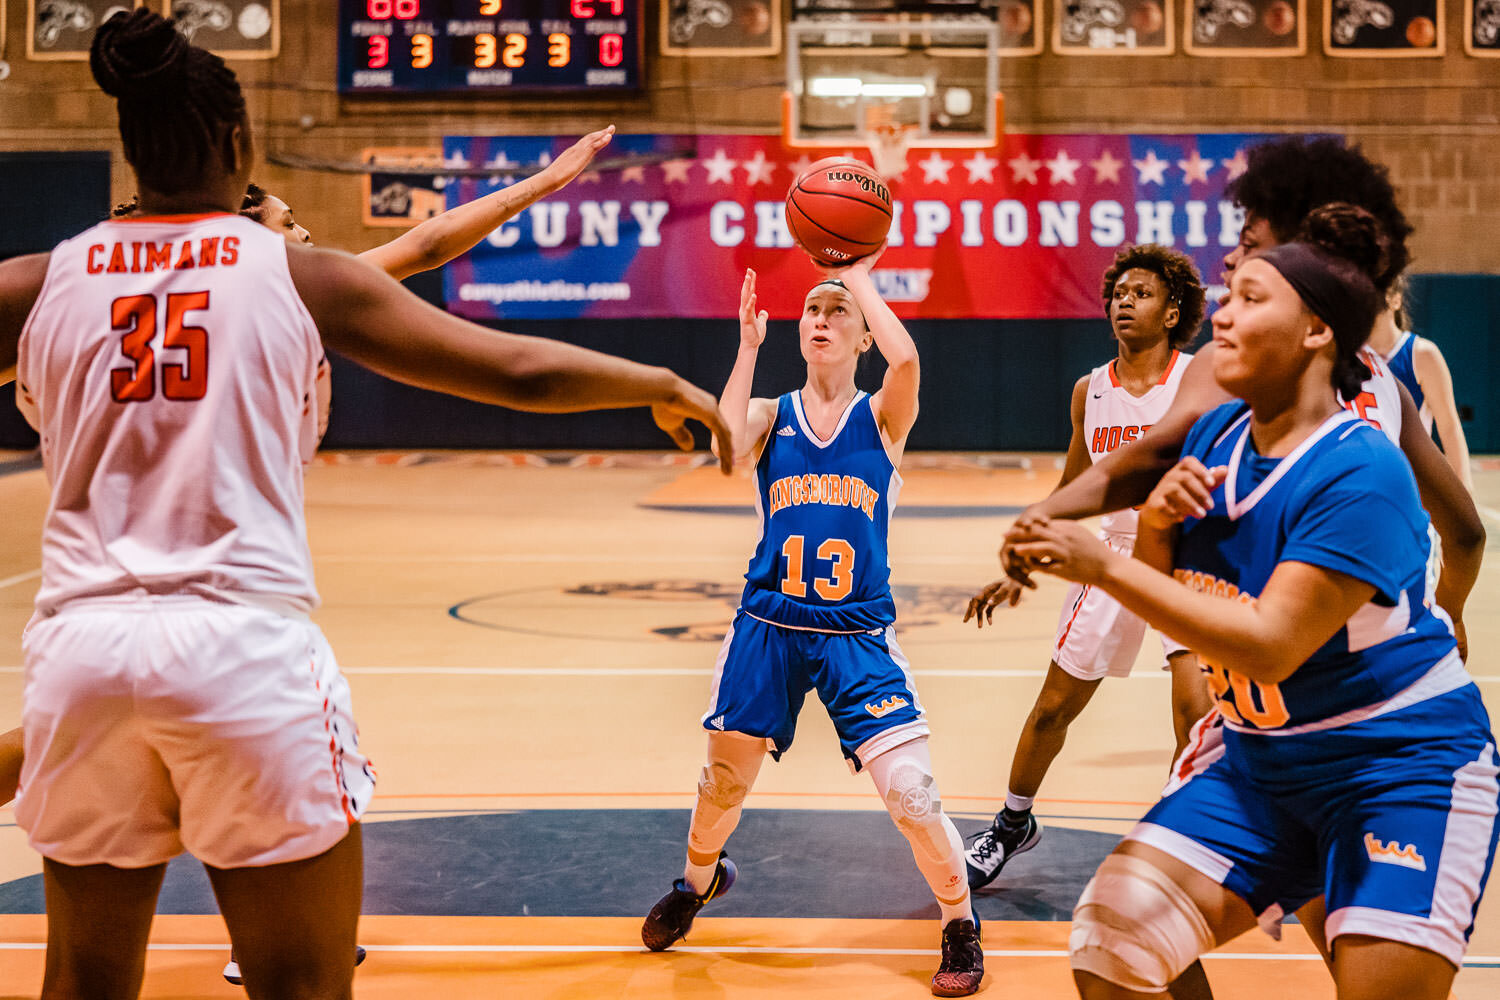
pixel 764 672
pixel 1393 819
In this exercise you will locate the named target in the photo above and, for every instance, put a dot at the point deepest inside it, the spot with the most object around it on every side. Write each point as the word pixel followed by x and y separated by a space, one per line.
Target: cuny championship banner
pixel 1024 230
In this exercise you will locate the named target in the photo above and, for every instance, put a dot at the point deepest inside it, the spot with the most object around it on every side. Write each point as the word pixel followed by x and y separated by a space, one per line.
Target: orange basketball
pixel 1280 18
pixel 839 210
pixel 1421 33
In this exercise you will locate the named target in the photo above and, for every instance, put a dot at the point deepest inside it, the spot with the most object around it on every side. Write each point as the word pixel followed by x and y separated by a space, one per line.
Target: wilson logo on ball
pixel 866 183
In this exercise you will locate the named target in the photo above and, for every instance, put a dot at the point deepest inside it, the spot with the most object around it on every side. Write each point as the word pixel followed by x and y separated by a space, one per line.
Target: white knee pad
pixel 721 793
pixel 1134 927
pixel 913 802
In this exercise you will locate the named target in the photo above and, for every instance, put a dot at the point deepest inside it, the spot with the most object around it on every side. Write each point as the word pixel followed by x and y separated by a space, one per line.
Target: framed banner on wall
pixel 234 29
pixel 720 27
pixel 1482 28
pixel 1383 29
pixel 1112 27
pixel 1256 28
pixel 398 199
pixel 63 29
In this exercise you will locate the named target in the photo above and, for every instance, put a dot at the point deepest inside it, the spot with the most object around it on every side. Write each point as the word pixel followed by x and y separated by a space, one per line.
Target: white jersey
pixel 1379 401
pixel 1113 417
pixel 172 367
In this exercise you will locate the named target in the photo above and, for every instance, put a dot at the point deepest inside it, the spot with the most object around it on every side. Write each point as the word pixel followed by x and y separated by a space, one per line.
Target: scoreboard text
pixel 456 46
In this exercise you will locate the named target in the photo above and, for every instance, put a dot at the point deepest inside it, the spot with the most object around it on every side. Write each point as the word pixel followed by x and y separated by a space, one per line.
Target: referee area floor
pixel 530 640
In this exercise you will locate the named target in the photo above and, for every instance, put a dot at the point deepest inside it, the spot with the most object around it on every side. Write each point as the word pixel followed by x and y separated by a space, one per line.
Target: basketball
pixel 839 210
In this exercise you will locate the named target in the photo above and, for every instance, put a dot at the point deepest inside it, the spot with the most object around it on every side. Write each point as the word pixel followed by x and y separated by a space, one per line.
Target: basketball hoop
pixel 889 140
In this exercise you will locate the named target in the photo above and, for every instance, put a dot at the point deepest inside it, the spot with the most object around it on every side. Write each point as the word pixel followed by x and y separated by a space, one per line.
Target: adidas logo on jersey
pixel 886 706
pixel 1394 854
pixel 717 722
pixel 786 432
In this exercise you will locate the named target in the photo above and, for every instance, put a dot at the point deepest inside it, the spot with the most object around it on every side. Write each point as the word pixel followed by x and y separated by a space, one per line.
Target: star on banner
pixel 1236 164
pixel 676 171
pixel 1151 170
pixel 636 175
pixel 1195 168
pixel 935 169
pixel 720 168
pixel 799 166
pixel 458 161
pixel 758 169
pixel 1106 168
pixel 591 177
pixel 1022 168
pixel 1062 168
pixel 500 161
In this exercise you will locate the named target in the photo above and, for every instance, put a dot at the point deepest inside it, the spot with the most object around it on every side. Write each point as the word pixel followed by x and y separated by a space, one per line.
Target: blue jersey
pixel 1403 366
pixel 825 510
pixel 1344 500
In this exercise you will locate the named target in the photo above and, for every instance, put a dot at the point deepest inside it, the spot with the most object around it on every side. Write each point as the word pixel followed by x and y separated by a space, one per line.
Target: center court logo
pixel 1394 854
pixel 671 609
pixel 886 707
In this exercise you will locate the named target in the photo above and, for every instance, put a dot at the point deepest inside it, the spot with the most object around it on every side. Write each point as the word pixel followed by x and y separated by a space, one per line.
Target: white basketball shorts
pixel 154 724
pixel 1096 636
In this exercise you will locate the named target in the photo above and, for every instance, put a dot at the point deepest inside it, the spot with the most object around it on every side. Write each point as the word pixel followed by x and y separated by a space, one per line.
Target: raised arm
pixel 895 404
pixel 1437 387
pixel 369 318
pixel 438 240
pixel 749 419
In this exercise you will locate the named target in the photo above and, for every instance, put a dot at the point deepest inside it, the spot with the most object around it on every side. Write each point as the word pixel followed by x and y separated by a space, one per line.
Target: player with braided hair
pixel 177 695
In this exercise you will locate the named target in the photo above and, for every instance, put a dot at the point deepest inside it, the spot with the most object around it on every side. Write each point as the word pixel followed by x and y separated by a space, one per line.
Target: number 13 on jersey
pixel 834 587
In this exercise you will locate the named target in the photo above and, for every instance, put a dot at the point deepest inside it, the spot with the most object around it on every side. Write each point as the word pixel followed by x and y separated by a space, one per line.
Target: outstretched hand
pixel 983 604
pixel 576 158
pixel 692 403
pixel 752 323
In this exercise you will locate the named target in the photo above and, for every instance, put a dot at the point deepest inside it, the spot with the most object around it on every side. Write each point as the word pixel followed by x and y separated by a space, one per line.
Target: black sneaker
pixel 963 960
pixel 672 916
pixel 232 967
pixel 996 844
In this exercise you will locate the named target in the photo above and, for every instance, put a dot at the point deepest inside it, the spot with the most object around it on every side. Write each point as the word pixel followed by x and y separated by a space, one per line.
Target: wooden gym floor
pixel 530 640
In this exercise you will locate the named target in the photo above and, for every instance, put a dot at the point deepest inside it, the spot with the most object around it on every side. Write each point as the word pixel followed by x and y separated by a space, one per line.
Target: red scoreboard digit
pixel 466 46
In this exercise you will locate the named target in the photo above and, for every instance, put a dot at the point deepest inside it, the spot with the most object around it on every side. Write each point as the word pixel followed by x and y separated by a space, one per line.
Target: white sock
pixel 960 910
pixel 699 877
pixel 1018 803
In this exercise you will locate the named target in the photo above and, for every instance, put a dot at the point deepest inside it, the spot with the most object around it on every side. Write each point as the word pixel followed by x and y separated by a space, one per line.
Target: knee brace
pixel 913 802
pixel 1134 927
pixel 721 792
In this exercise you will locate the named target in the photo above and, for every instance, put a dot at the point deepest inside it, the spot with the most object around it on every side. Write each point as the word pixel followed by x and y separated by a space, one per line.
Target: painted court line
pixel 10 581
pixel 1475 961
pixel 1150 675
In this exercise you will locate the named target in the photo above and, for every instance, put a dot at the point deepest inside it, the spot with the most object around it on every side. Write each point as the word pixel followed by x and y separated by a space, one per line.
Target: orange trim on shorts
pixel 1076 608
pixel 333 749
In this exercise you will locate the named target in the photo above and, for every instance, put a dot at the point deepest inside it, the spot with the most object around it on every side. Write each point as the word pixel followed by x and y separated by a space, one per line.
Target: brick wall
pixel 1436 122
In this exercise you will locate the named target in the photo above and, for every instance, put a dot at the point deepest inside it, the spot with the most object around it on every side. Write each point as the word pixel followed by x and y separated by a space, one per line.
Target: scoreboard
pixel 488 46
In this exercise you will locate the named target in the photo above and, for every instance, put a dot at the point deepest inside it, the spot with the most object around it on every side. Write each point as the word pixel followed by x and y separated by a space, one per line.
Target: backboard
pixel 892 77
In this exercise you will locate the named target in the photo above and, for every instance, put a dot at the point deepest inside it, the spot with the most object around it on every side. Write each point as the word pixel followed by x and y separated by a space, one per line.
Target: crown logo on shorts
pixel 886 706
pixel 1394 854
